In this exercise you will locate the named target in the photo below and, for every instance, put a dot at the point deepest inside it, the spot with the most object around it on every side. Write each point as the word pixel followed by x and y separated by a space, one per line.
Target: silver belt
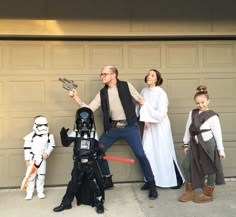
pixel 119 123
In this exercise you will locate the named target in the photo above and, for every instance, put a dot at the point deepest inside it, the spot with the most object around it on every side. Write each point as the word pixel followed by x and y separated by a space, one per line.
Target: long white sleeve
pixel 155 107
pixel 216 131
pixel 186 138
pixel 214 127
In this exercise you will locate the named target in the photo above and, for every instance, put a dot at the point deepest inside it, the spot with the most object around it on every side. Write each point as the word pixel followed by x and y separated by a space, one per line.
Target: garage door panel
pixel 15 129
pixel 59 121
pixel 220 55
pixel 26 92
pixel 95 86
pixel 180 93
pixel 100 55
pixel 137 56
pixel 1 132
pixel 1 56
pixel 1 92
pixel 229 162
pixel 182 56
pixel 222 91
pixel 17 168
pixel 26 57
pixel 4 168
pixel 66 56
pixel 178 123
pixel 228 121
pixel 180 89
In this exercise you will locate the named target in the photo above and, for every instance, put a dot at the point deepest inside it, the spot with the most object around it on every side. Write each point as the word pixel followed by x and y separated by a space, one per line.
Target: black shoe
pixel 177 186
pixel 99 207
pixel 145 186
pixel 107 182
pixel 153 194
pixel 61 208
pixel 179 179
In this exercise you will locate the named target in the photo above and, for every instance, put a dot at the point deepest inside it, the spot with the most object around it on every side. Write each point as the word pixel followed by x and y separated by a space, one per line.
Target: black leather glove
pixel 64 132
pixel 64 137
pixel 100 153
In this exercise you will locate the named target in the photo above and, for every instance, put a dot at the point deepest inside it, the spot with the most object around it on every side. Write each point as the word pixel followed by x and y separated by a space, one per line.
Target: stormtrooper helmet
pixel 40 125
pixel 84 119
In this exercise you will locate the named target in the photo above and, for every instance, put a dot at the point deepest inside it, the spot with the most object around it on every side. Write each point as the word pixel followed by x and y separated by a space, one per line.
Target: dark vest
pixel 126 101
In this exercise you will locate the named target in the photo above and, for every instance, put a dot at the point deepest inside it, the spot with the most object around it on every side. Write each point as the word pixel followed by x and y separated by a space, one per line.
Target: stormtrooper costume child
pixel 38 146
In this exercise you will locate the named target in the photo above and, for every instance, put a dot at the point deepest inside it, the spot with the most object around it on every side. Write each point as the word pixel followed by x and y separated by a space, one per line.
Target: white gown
pixel 157 139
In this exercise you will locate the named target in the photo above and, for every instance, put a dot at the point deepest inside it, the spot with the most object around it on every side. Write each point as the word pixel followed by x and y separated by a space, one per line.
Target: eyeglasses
pixel 104 74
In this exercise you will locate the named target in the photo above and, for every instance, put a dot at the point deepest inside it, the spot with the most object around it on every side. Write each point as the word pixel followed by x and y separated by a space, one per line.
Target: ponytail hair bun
pixel 201 90
pixel 158 75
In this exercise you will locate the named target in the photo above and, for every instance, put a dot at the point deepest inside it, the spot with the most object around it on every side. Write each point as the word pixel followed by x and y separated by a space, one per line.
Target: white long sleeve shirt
pixel 213 124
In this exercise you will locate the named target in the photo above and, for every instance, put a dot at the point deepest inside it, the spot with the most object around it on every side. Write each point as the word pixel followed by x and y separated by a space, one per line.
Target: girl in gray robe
pixel 204 149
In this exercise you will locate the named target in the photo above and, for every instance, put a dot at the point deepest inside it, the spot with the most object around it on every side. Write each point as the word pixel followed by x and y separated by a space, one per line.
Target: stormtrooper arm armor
pixel 51 144
pixel 27 150
pixel 28 145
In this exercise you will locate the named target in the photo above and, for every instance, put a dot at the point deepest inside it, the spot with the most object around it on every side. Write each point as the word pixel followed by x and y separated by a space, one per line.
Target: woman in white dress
pixel 157 136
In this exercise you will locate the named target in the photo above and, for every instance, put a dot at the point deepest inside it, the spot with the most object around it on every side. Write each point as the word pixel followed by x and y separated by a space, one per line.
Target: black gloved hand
pixel 64 136
pixel 100 153
pixel 64 131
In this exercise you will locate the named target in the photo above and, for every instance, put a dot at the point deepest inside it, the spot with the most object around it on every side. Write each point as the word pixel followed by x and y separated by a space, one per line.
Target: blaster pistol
pixel 68 84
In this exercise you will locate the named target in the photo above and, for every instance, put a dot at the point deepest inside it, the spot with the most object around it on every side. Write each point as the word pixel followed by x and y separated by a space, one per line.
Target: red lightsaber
pixel 125 160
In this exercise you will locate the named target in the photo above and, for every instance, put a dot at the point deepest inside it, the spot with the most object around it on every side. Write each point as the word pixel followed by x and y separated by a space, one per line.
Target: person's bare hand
pixel 222 155
pixel 73 94
pixel 147 124
pixel 141 101
pixel 27 163
pixel 45 155
pixel 186 149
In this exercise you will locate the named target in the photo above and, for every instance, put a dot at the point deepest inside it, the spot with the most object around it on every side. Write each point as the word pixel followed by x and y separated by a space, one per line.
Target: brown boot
pixel 188 195
pixel 206 196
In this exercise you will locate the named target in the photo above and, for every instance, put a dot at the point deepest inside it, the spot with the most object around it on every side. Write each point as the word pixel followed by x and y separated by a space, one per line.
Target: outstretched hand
pixel 64 132
pixel 73 94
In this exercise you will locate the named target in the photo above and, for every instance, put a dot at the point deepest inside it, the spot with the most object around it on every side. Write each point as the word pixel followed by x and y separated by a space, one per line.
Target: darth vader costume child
pixel 86 182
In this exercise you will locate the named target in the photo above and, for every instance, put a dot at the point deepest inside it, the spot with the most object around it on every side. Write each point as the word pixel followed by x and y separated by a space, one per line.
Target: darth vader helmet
pixel 40 125
pixel 84 119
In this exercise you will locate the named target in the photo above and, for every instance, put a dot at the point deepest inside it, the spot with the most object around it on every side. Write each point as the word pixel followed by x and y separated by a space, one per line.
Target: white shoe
pixel 29 196
pixel 41 195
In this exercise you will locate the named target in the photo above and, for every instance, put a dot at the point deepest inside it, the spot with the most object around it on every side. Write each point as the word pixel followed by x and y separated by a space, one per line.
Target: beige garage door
pixel 29 72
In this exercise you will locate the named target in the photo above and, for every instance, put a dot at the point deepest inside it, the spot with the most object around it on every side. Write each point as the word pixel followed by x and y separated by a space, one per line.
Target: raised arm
pixel 94 105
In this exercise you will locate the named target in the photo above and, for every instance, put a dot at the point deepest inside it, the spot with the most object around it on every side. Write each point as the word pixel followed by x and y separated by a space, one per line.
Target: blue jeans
pixel 131 135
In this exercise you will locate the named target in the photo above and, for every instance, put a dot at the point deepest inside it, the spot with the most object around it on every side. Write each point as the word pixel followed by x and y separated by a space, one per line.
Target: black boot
pixel 107 182
pixel 145 186
pixel 178 186
pixel 61 208
pixel 178 178
pixel 99 207
pixel 153 194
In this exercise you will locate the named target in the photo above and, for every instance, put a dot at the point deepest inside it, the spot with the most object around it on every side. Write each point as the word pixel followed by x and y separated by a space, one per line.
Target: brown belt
pixel 119 123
